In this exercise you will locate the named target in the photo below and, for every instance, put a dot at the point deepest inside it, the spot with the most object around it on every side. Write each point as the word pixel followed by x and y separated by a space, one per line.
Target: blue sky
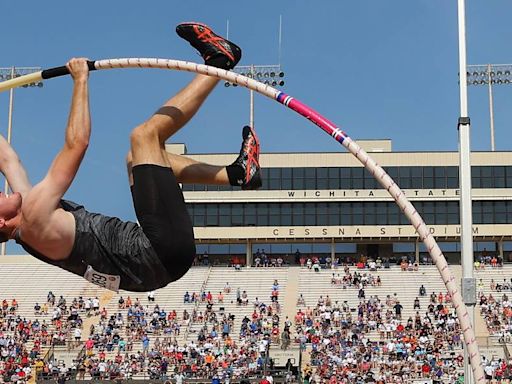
pixel 378 69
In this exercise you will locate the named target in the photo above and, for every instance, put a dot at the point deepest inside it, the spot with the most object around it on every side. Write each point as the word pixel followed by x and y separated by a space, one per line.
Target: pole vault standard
pixel 327 126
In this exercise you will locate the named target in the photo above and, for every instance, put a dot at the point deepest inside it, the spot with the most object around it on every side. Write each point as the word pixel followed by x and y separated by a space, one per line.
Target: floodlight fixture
pixel 490 74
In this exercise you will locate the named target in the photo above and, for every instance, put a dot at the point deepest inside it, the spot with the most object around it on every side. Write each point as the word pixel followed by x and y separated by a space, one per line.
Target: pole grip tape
pixel 62 71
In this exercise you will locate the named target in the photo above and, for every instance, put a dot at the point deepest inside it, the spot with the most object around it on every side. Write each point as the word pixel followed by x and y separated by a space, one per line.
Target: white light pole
pixel 468 281
pixel 7 74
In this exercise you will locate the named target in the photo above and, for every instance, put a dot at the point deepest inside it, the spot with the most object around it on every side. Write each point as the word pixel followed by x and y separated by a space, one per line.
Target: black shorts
pixel 162 214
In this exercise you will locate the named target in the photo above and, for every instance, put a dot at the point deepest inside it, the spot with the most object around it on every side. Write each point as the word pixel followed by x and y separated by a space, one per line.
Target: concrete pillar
pixel 500 250
pixel 417 251
pixel 248 254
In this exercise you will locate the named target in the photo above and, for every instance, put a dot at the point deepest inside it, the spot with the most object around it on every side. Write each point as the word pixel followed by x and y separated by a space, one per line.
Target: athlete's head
pixel 10 206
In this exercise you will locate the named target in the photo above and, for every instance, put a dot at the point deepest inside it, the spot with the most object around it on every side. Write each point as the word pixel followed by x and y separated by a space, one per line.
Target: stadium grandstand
pixel 317 277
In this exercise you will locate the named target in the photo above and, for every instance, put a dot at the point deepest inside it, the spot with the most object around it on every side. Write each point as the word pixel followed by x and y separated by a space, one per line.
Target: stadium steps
pixel 290 296
pixel 168 298
pixel 484 277
pixel 257 282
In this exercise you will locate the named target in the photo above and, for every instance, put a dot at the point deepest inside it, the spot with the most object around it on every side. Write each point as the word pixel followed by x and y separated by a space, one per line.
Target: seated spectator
pixel 37 309
pixel 186 297
pixel 423 290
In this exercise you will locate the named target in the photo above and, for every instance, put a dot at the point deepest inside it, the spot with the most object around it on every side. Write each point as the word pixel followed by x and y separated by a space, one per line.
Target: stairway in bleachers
pixel 257 282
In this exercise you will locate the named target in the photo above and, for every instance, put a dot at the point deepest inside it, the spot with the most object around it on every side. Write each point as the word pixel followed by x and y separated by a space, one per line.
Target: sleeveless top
pixel 110 246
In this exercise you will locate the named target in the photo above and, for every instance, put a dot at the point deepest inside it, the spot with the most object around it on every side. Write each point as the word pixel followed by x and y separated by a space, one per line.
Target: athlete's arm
pixel 65 165
pixel 12 169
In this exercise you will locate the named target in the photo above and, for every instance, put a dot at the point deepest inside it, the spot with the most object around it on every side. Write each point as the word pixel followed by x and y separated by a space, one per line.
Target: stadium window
pixel 404 180
pixel 345 215
pixel 499 176
pixel 322 214
pixel 381 210
pixel 370 217
pixel 439 177
pixel 286 178
pixel 428 177
pixel 322 181
pixel 487 212
pixel 476 181
pixel 452 215
pixel 345 248
pixel 393 213
pixel 416 177
pixel 225 221
pixel 321 248
pixel 262 214
pixel 212 215
pixel 477 212
pixel 274 215
pixel 452 177
pixel 508 177
pixel 310 178
pixel 333 175
pixel 357 214
pixel 250 214
pixel 298 214
pixel 441 212
pixel 509 212
pixel 237 215
pixel 309 214
pixel 274 182
pixel 298 178
pixel 357 178
pixel 500 212
pixel 393 172
pixel 264 178
pixel 286 214
pixel 225 215
pixel 345 178
pixel 333 213
pixel 487 177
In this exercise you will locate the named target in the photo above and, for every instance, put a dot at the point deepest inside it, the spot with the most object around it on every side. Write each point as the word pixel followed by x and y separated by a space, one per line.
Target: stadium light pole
pixel 490 74
pixel 8 73
pixel 267 74
pixel 468 281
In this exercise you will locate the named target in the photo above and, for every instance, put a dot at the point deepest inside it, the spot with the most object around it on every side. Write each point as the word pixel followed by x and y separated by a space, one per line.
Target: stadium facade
pixel 327 204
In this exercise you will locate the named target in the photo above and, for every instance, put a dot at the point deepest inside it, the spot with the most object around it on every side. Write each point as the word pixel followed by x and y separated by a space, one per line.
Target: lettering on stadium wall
pixel 368 193
pixel 364 231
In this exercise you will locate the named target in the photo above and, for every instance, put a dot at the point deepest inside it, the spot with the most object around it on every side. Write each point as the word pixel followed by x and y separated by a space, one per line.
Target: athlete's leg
pixel 148 139
pixel 243 172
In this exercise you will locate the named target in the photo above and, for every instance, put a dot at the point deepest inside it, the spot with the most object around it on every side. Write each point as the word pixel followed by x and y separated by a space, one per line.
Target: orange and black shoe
pixel 245 171
pixel 215 50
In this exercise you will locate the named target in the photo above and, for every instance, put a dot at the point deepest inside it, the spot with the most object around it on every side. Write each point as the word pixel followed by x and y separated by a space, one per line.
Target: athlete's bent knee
pixel 142 134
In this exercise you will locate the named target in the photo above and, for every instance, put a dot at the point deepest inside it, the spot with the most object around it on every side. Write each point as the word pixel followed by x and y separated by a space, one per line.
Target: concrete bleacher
pixel 405 284
pixel 29 280
pixel 257 282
